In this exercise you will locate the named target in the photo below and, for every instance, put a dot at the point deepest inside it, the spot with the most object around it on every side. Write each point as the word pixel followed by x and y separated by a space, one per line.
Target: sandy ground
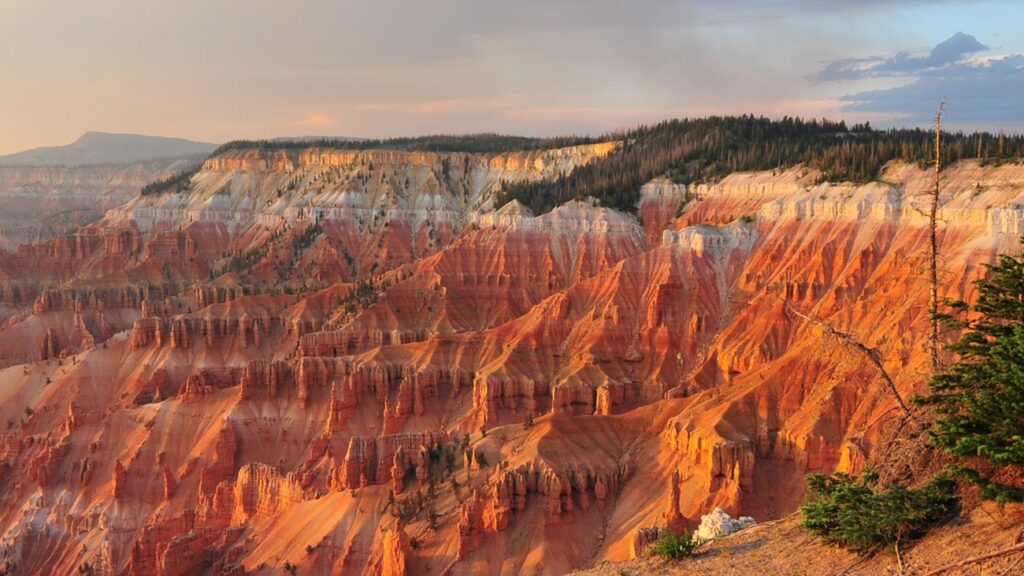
pixel 784 548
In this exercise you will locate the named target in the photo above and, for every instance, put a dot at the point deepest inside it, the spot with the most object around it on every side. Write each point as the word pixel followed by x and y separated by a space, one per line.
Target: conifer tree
pixel 979 400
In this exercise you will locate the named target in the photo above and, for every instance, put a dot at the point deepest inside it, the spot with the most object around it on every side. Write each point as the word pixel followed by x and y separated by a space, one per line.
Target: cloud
pixel 950 51
pixel 953 49
pixel 982 92
pixel 317 119
pixel 429 107
pixel 209 71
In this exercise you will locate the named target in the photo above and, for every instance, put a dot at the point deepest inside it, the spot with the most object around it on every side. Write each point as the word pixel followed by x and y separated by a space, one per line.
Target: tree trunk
pixel 933 341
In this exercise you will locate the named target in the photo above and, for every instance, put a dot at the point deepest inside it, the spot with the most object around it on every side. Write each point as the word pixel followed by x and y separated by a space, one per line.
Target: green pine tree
pixel 979 400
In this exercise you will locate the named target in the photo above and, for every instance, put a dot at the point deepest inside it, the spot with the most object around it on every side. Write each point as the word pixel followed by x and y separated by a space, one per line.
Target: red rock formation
pixel 148 555
pixel 642 539
pixel 471 525
pixel 146 332
pixel 179 333
pixel 261 490
pixel 204 382
pixel 214 479
pixel 673 518
pixel 398 470
pixel 370 460
pixel 657 381
pixel 119 480
pixel 396 549
pixel 49 348
pixel 169 483
pixel 262 375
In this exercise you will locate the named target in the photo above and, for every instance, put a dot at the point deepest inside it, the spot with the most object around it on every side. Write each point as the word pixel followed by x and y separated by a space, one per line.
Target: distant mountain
pixel 95 148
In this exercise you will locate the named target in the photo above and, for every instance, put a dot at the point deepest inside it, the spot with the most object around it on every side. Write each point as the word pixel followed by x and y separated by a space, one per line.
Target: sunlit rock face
pixel 352 363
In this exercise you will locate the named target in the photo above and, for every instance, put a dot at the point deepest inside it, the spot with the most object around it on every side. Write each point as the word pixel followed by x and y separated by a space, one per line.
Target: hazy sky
pixel 217 70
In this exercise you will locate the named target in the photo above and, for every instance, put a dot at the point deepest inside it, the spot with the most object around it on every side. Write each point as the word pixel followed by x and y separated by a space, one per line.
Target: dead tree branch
pixel 899 557
pixel 854 344
pixel 996 554
pixel 1010 569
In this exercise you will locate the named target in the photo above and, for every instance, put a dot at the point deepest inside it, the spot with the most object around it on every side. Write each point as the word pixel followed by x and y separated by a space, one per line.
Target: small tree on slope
pixel 856 514
pixel 979 400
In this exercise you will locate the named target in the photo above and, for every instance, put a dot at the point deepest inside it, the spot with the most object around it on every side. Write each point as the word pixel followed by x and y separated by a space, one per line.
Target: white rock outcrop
pixel 719 524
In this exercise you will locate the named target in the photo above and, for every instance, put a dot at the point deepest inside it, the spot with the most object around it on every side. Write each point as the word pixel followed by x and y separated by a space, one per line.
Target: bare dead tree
pixel 854 344
pixel 933 276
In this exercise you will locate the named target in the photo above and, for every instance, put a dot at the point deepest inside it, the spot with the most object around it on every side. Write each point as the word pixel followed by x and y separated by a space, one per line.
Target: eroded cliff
pixel 349 363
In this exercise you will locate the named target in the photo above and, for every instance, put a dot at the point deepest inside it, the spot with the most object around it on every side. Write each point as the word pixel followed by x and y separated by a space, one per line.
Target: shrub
pixel 408 509
pixel 855 514
pixel 672 546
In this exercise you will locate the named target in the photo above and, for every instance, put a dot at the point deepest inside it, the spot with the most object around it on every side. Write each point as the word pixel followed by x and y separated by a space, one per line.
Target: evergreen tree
pixel 979 400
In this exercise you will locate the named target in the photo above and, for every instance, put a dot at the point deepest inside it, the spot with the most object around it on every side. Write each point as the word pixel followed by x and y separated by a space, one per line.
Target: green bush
pixel 855 514
pixel 673 546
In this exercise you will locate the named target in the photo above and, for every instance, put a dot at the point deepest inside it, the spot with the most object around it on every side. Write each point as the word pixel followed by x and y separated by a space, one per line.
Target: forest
pixel 178 182
pixel 469 143
pixel 706 149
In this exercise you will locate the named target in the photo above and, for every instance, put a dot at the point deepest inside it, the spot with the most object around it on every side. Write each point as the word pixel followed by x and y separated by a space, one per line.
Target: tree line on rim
pixel 686 150
pixel 707 149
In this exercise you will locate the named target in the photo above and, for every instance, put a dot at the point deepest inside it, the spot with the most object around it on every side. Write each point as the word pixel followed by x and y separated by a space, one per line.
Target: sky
pixel 217 70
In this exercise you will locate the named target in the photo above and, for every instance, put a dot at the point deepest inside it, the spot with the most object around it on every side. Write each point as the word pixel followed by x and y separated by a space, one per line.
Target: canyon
pixel 358 362
pixel 45 202
pixel 53 191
